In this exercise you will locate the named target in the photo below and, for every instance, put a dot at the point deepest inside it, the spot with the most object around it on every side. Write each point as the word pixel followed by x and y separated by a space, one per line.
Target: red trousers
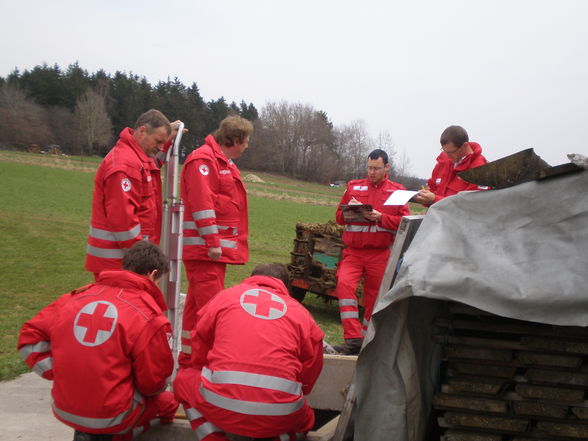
pixel 205 279
pixel 355 263
pixel 159 409
pixel 186 386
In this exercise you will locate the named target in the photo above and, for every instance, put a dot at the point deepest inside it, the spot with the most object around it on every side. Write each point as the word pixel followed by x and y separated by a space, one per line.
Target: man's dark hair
pixel 455 135
pixel 145 257
pixel 276 270
pixel 153 119
pixel 379 153
pixel 233 129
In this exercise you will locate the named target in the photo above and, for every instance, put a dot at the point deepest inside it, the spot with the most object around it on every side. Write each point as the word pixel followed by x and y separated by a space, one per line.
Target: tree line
pixel 84 112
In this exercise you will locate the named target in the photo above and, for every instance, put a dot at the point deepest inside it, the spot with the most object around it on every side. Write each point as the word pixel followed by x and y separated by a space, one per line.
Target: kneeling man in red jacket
pixel 255 353
pixel 106 348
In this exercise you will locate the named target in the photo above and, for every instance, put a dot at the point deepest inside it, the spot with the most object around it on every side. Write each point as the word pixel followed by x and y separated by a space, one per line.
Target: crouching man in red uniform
pixel 255 353
pixel 106 348
pixel 368 241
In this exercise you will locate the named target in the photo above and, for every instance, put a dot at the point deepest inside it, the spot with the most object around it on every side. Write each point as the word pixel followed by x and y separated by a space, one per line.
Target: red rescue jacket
pixel 444 180
pixel 369 234
pixel 105 346
pixel 216 206
pixel 126 205
pixel 259 351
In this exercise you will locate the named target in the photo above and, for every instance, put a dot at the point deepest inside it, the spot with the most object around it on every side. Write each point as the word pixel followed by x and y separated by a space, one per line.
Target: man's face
pixel 239 148
pixel 151 142
pixel 453 152
pixel 377 170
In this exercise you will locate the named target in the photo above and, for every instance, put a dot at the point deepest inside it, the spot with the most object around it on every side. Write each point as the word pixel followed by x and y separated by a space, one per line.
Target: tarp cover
pixel 519 252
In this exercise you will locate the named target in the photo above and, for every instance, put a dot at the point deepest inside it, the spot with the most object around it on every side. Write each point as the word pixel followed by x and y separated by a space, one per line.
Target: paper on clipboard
pixel 400 197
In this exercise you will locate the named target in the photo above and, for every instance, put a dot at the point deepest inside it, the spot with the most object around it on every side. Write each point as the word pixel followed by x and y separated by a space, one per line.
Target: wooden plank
pixel 556 377
pixel 331 387
pixel 555 345
pixel 324 433
pixel 475 386
pixel 486 422
pixel 563 429
pixel 457 435
pixel 470 352
pixel 549 393
pixel 448 401
pixel 538 409
pixel 515 327
pixel 483 369
pixel 537 358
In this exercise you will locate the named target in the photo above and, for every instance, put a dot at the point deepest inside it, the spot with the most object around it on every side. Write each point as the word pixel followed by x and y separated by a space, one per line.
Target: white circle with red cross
pixel 203 169
pixel 263 304
pixel 125 184
pixel 95 323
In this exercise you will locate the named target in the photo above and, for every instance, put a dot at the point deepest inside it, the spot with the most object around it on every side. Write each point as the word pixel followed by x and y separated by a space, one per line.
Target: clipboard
pixel 354 213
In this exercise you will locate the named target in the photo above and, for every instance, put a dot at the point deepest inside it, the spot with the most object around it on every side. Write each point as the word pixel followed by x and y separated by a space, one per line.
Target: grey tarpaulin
pixel 519 252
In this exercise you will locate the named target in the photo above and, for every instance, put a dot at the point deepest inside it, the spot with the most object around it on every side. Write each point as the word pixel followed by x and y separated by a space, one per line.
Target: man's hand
pixel 215 253
pixel 374 215
pixel 354 201
pixel 424 196
pixel 175 125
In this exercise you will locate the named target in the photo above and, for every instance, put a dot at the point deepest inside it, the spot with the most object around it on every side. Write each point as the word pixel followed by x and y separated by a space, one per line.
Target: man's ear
pixel 153 276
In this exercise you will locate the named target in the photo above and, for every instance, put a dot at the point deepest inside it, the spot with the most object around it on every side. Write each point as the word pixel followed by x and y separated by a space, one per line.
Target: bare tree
pixel 22 121
pixel 94 128
pixel 353 144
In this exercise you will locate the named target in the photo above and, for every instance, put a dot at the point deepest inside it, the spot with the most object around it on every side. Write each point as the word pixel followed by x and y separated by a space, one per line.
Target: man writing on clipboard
pixel 370 228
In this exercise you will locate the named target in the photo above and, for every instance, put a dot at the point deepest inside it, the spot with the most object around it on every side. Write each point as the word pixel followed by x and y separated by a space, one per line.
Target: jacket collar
pixel 465 162
pixel 126 137
pixel 209 140
pixel 131 280
pixel 267 282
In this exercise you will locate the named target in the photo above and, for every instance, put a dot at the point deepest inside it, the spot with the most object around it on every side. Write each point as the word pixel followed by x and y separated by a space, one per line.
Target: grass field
pixel 46 204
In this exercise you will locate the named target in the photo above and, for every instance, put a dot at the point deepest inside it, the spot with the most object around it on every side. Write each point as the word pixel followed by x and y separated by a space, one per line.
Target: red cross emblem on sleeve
pixel 263 304
pixel 95 323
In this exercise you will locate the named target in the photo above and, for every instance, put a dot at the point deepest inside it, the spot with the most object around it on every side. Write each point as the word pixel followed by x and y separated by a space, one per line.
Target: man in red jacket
pixel 255 353
pixel 215 219
pixel 459 154
pixel 106 348
pixel 127 200
pixel 368 239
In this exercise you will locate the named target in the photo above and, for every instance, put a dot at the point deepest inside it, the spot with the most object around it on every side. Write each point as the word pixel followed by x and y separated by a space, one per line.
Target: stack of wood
pixel 511 380
pixel 317 249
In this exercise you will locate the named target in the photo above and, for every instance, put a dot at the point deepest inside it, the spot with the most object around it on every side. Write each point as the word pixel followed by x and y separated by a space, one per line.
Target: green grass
pixel 46 204
pixel 44 221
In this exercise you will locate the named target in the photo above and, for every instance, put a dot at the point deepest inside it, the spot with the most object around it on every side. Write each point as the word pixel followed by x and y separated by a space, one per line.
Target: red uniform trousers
pixel 186 384
pixel 355 263
pixel 159 409
pixel 205 279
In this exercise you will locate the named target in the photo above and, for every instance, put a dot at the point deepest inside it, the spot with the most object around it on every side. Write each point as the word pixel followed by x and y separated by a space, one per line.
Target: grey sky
pixel 513 73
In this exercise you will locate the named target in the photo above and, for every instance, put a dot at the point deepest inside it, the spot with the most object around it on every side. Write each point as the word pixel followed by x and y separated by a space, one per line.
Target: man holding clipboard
pixel 370 228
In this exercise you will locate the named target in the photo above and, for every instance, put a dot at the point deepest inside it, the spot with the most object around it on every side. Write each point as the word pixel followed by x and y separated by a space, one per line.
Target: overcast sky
pixel 513 73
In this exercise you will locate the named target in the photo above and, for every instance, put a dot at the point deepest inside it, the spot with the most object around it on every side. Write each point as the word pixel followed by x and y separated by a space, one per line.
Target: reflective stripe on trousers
pixel 202 430
pixel 98 423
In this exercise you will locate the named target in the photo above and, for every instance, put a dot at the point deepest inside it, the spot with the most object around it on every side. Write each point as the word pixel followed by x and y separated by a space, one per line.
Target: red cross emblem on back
pixel 263 304
pixel 95 323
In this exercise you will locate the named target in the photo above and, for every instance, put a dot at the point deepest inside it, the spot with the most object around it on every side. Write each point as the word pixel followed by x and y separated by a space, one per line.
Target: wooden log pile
pixel 510 380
